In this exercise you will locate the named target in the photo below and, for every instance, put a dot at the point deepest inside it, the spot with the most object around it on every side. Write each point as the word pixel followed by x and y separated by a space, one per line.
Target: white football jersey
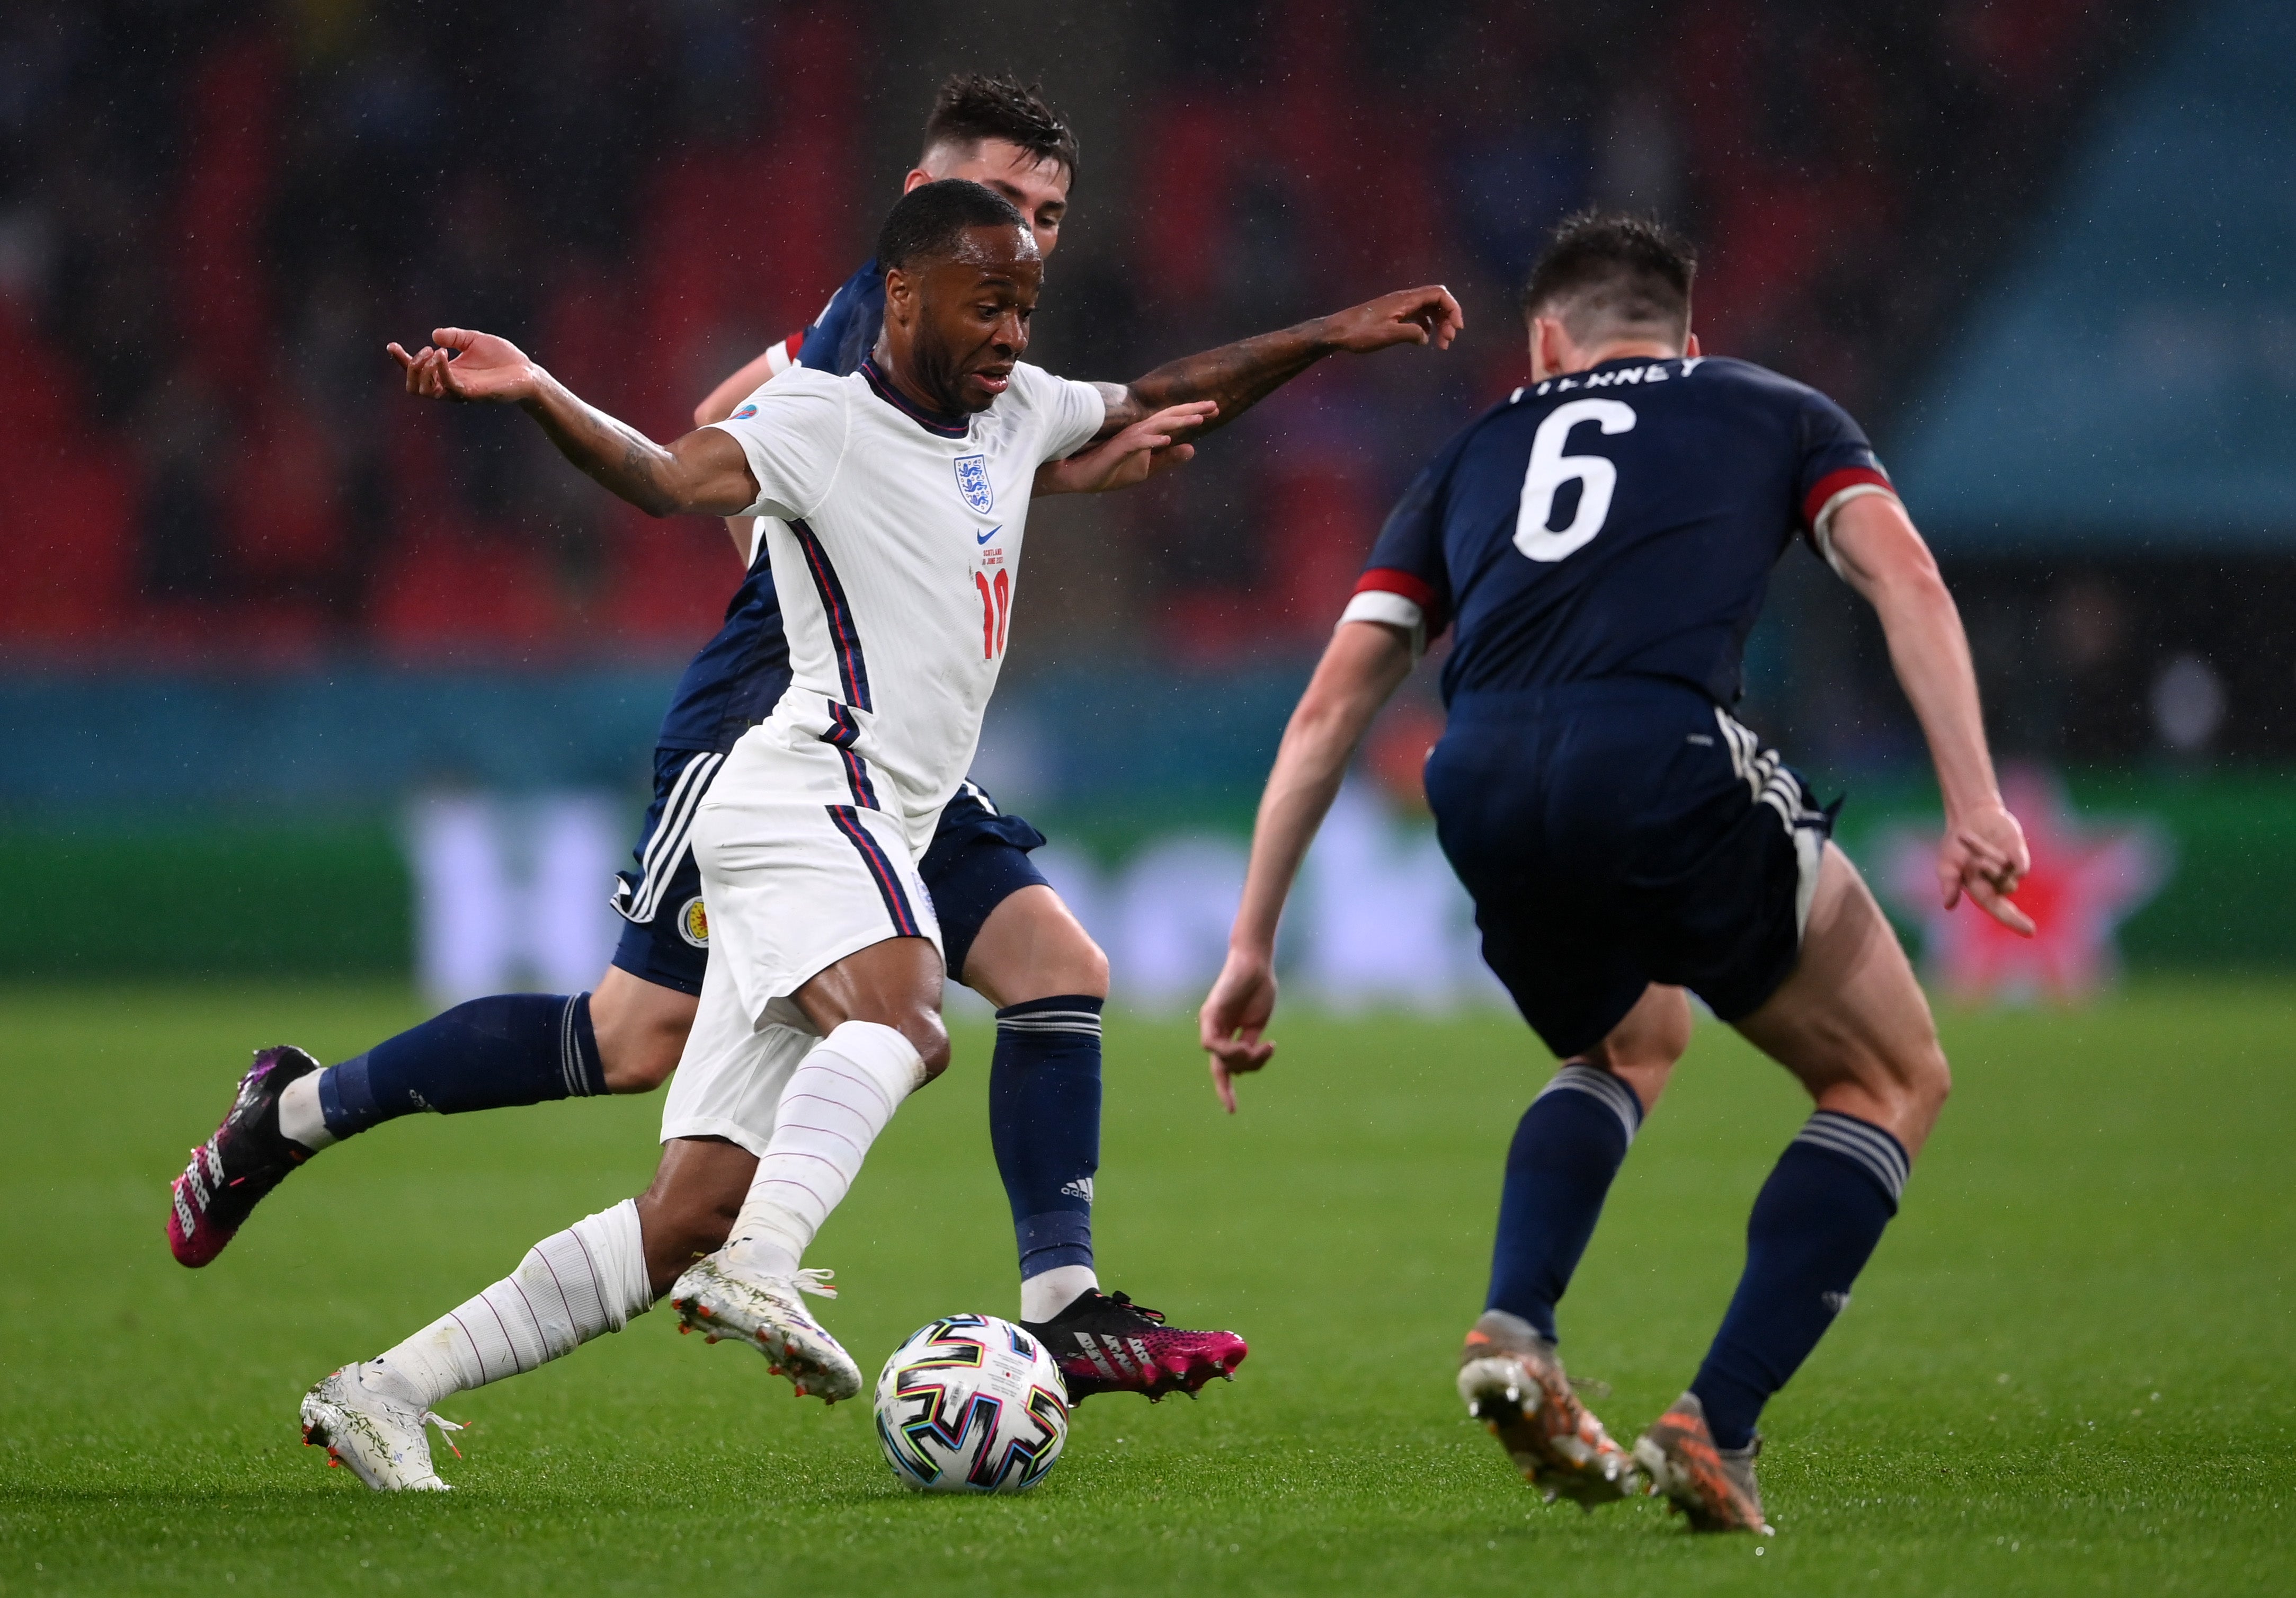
pixel 895 535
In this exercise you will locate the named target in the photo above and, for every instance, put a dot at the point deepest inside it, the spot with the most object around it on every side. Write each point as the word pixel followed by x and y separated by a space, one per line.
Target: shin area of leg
pixel 689 1210
pixel 1034 960
pixel 836 1103
pixel 1567 1149
pixel 1817 1222
pixel 572 1286
pixel 1852 1024
pixel 489 1053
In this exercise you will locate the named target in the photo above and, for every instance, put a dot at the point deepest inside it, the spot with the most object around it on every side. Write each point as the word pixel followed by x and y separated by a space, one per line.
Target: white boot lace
pixel 432 1418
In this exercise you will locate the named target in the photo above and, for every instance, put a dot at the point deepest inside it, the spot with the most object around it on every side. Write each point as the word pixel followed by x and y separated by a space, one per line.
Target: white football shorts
pixel 797 876
pixel 729 1084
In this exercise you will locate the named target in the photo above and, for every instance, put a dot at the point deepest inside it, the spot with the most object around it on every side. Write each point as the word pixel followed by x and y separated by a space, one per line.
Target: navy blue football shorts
pixel 1620 833
pixel 978 858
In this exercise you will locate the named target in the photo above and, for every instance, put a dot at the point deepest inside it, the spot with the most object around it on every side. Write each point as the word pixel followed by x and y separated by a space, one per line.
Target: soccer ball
pixel 972 1404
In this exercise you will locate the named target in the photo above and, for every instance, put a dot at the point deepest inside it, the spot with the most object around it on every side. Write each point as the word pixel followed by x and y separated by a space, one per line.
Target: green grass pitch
pixel 2068 1368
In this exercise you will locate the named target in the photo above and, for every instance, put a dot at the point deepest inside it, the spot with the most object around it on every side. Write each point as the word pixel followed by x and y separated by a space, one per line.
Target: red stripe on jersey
pixel 793 344
pixel 1834 482
pixel 1388 580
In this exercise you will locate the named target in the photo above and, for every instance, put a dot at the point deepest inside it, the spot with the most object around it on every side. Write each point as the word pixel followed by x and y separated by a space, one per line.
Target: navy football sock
pixel 514 1048
pixel 1566 1151
pixel 1813 1228
pixel 1044 1121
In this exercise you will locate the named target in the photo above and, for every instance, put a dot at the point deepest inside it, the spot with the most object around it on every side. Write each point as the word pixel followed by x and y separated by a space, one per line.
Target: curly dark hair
pixel 1606 269
pixel 972 107
pixel 930 219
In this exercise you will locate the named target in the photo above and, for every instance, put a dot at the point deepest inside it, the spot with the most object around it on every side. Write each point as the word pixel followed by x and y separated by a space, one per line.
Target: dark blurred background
pixel 253 603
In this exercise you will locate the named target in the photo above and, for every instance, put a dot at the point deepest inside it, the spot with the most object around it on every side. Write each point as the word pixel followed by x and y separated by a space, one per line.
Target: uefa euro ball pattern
pixel 972 1404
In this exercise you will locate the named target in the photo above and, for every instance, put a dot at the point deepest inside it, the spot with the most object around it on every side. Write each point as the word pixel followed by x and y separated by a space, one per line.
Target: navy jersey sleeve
pixel 1837 465
pixel 847 329
pixel 1406 584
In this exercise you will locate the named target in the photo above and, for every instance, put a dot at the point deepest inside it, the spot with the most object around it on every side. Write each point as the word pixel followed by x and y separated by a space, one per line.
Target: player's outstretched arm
pixel 1362 665
pixel 1876 548
pixel 1151 445
pixel 1235 377
pixel 703 474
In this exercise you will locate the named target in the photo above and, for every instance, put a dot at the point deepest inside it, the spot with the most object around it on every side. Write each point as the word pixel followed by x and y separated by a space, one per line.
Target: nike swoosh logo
pixel 991 533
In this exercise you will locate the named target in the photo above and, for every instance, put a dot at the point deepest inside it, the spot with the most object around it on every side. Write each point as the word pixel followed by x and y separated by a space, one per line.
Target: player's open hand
pixel 1151 445
pixel 1984 856
pixel 1421 316
pixel 1233 1019
pixel 461 364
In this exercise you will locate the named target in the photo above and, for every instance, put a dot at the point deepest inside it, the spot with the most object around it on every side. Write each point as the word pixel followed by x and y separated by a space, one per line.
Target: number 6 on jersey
pixel 1550 469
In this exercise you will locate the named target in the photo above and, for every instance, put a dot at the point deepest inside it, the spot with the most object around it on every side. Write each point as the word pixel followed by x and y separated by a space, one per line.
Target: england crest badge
pixel 972 482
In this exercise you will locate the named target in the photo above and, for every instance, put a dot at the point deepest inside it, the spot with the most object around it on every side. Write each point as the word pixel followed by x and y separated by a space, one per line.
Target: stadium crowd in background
pixel 202 242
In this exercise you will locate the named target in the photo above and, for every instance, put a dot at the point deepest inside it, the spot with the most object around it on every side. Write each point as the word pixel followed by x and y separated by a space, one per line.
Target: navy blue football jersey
pixel 1619 521
pixel 842 336
pixel 739 677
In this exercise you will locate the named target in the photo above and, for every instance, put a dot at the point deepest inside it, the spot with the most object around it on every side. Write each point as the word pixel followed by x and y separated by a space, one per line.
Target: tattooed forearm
pixel 619 457
pixel 1234 376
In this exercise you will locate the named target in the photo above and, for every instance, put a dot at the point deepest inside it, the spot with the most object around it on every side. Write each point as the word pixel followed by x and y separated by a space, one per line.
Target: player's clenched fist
pixel 461 364
pixel 1420 315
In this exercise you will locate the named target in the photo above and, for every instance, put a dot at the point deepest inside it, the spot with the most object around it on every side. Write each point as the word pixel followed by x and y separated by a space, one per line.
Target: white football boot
pixel 382 1439
pixel 719 1299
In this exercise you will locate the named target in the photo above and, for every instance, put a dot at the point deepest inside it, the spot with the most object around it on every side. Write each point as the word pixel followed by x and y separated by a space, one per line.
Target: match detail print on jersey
pixel 1598 478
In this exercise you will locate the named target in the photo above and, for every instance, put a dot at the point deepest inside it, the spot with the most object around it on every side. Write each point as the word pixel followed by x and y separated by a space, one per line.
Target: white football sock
pixel 837 1101
pixel 577 1284
pixel 301 1119
pixel 1046 1293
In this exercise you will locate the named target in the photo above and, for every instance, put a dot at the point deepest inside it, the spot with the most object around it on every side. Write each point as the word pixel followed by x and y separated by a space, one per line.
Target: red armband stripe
pixel 793 344
pixel 1388 580
pixel 1834 482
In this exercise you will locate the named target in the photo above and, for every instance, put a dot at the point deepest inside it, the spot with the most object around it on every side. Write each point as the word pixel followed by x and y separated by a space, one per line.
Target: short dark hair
pixel 1603 270
pixel 926 221
pixel 971 107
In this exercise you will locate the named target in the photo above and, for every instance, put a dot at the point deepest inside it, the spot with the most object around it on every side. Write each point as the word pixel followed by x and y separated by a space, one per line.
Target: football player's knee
pixel 641 1064
pixel 640 1040
pixel 1933 1078
pixel 1087 965
pixel 930 1038
pixel 1663 1040
pixel 1913 1076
